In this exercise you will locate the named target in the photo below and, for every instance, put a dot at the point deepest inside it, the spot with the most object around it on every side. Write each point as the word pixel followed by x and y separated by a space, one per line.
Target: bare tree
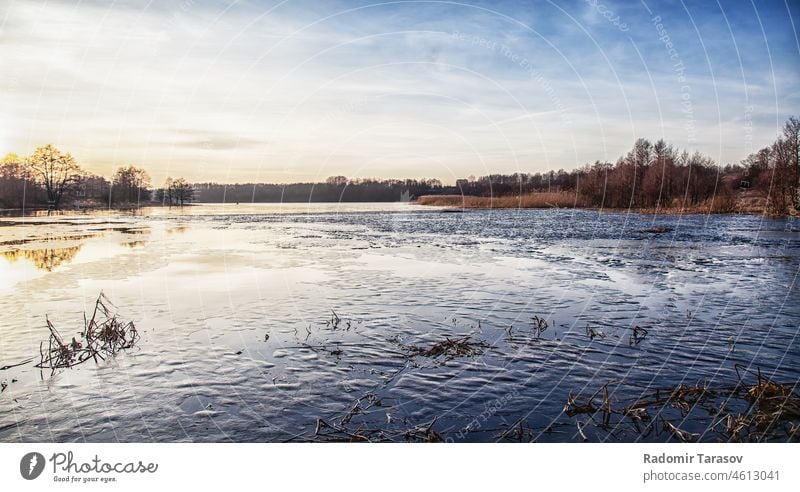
pixel 16 182
pixel 54 170
pixel 782 186
pixel 131 184
pixel 336 180
pixel 176 192
pixel 791 132
pixel 166 192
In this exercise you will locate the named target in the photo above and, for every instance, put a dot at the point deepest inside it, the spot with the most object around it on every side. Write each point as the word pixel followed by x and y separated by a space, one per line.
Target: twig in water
pixel 105 334
pixel 682 435
pixel 637 336
pixel 27 361
pixel 580 431
pixel 592 333
pixel 539 325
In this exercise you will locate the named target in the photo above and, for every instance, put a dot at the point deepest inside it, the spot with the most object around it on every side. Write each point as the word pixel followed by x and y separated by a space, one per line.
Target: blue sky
pixel 297 91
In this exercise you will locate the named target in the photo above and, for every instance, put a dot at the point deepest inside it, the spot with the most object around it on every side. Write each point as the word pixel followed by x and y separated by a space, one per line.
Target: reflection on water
pixel 178 229
pixel 48 238
pixel 134 244
pixel 44 259
pixel 34 249
pixel 142 234
pixel 219 209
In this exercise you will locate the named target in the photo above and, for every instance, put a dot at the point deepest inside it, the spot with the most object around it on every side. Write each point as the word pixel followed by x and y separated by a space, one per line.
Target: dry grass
pixel 726 202
pixel 451 348
pixel 558 199
pixel 773 403
pixel 103 335
pixel 771 411
pixel 721 204
pixel 754 408
pixel 333 432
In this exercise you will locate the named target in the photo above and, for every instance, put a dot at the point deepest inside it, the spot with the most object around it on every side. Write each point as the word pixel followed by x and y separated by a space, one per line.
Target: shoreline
pixel 561 200
pixel 446 203
pixel 87 208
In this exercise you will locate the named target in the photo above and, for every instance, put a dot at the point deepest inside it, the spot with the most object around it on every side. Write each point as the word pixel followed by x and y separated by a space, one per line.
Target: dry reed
pixel 555 199
pixel 103 335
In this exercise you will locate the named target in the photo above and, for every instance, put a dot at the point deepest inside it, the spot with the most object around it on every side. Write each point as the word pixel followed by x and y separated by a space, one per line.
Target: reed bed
pixel 724 203
pixel 451 348
pixel 103 335
pixel 749 411
pixel 755 408
pixel 555 199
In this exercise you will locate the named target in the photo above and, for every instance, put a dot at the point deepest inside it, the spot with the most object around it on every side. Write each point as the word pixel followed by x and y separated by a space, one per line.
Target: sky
pixel 295 91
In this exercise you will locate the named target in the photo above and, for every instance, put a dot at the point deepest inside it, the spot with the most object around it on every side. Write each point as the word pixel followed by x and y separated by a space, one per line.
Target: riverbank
pixel 84 207
pixel 746 202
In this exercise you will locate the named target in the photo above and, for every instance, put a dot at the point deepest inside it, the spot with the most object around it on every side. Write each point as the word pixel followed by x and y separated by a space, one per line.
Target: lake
pixel 309 322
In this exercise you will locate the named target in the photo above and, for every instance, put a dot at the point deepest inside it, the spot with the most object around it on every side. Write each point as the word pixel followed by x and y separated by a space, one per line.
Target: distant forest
pixel 651 175
pixel 334 189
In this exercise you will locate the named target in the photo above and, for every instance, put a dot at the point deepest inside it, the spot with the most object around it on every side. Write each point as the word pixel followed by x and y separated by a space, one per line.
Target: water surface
pixel 239 341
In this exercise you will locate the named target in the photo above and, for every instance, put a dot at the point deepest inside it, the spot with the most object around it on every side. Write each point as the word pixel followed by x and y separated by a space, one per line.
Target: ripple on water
pixel 239 345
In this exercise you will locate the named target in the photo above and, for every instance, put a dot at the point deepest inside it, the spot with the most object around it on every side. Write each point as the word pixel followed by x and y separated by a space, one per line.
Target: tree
pixel 791 133
pixel 54 170
pixel 164 195
pixel 131 184
pixel 93 187
pixel 336 180
pixel 782 186
pixel 16 182
pixel 177 192
pixel 635 165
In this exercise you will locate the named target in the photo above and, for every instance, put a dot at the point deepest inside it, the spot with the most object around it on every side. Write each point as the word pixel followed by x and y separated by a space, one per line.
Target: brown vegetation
pixel 558 199
pixel 651 178
pixel 754 408
pixel 727 202
pixel 451 348
pixel 103 335
pixel 767 410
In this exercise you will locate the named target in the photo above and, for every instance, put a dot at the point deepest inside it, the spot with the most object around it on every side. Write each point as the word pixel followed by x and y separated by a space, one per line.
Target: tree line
pixel 650 175
pixel 657 175
pixel 334 189
pixel 52 178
